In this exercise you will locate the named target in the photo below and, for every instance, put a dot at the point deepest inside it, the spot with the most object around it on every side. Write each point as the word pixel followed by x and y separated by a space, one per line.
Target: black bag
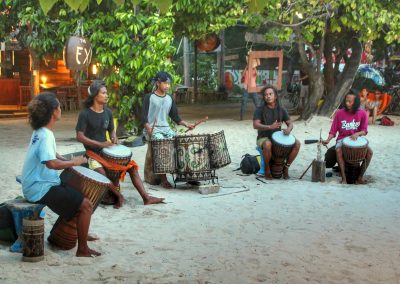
pixel 250 164
pixel 330 157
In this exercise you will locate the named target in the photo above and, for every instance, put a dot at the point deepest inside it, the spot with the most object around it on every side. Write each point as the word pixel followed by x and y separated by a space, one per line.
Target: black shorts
pixel 63 200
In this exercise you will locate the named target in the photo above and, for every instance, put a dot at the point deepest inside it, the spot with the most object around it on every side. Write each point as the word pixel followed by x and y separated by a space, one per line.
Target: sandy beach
pixel 280 231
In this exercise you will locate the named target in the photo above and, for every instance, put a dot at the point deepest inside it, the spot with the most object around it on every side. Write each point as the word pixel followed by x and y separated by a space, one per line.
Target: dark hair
pixel 93 91
pixel 277 114
pixel 162 76
pixel 356 104
pixel 41 108
pixel 262 92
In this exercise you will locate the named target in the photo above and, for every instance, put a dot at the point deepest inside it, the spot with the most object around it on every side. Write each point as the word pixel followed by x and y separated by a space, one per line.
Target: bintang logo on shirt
pixel 34 139
pixel 350 125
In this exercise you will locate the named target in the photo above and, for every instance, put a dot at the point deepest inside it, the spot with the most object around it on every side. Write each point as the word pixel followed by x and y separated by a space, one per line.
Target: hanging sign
pixel 77 53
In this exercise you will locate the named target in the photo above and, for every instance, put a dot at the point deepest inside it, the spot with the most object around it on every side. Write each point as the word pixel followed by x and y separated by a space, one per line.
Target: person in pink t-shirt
pixel 350 121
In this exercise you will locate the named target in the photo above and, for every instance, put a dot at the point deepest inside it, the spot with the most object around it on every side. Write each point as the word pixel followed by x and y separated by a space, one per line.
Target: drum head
pixel 360 142
pixel 117 151
pixel 93 175
pixel 282 139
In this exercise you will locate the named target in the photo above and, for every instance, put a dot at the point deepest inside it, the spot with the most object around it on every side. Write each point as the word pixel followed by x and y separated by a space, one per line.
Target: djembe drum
pixel 33 239
pixel 192 158
pixel 93 186
pixel 164 156
pixel 219 155
pixel 354 153
pixel 117 154
pixel 282 144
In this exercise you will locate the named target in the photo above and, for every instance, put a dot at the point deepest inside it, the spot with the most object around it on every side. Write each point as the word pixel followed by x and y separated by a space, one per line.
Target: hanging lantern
pixel 209 43
pixel 77 53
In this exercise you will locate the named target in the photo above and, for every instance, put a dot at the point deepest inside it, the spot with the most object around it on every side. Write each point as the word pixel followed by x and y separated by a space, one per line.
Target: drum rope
pixel 112 166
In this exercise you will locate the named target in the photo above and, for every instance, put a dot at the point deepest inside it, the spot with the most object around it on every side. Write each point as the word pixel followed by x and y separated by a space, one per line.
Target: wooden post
pixel 195 87
pixel 318 171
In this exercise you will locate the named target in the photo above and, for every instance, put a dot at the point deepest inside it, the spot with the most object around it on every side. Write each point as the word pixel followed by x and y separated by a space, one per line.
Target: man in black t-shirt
pixel 93 124
pixel 267 119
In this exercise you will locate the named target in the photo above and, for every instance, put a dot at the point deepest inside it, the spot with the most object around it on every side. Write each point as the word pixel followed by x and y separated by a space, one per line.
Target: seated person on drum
pixel 267 119
pixel 40 181
pixel 350 121
pixel 157 107
pixel 93 123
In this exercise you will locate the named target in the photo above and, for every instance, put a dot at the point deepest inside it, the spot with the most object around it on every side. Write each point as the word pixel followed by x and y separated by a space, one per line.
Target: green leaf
pixel 163 5
pixel 119 2
pixel 46 5
pixel 99 2
pixel 74 4
pixel 84 5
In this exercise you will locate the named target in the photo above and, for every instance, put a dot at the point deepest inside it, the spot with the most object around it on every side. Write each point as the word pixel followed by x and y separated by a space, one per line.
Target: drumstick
pixel 197 123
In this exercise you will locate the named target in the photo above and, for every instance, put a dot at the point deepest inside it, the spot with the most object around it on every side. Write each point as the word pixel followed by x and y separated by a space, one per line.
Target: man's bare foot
pixel 343 181
pixel 87 253
pixel 120 200
pixel 360 180
pixel 268 176
pixel 91 238
pixel 166 184
pixel 153 200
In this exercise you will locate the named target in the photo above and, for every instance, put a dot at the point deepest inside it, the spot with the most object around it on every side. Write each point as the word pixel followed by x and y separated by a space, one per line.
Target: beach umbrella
pixel 367 71
pixel 361 82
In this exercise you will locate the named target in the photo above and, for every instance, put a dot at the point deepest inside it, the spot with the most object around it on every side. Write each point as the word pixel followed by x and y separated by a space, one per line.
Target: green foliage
pixel 132 48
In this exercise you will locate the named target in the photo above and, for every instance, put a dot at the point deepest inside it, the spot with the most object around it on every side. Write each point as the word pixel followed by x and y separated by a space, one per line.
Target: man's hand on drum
pixel 114 140
pixel 79 160
pixel 286 131
pixel 106 144
pixel 276 125
pixel 354 136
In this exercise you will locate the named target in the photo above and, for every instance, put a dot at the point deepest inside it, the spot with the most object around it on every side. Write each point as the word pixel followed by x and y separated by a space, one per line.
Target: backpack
pixel 250 164
pixel 386 121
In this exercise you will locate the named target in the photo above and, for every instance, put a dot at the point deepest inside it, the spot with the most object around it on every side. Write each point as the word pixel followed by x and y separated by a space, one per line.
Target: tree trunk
pixel 317 87
pixel 345 80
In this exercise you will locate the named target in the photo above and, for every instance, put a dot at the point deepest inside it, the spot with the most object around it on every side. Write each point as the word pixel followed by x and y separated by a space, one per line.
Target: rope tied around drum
pixel 112 166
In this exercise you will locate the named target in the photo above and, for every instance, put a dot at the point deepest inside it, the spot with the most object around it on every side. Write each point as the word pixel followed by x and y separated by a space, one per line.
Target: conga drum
pixel 192 158
pixel 117 154
pixel 282 144
pixel 219 155
pixel 164 156
pixel 354 152
pixel 93 186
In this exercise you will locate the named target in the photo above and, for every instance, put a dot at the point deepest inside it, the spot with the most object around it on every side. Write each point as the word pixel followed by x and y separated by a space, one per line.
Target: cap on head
pixel 162 76
pixel 95 87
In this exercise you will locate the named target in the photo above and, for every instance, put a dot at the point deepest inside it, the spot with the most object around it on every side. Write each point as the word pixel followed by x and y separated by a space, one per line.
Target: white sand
pixel 291 231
